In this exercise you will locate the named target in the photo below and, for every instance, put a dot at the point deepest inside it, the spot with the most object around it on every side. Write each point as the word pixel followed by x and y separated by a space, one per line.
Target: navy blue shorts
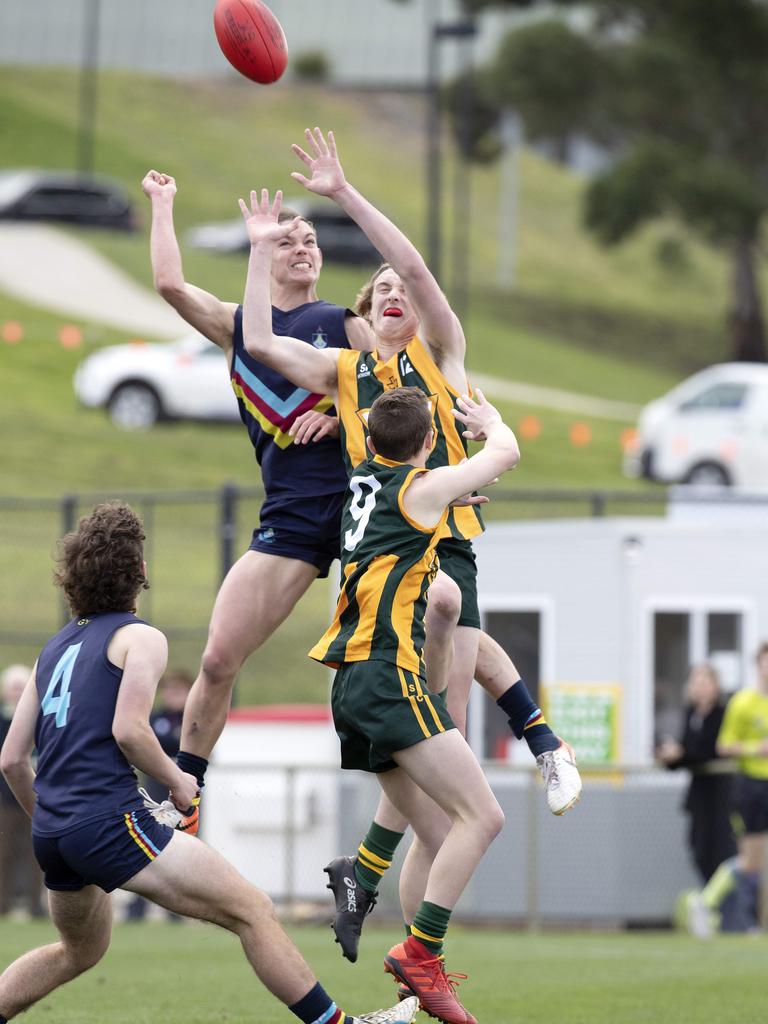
pixel 750 803
pixel 308 529
pixel 106 852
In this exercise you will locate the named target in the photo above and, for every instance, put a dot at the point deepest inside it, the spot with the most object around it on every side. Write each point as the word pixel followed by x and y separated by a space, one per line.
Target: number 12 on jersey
pixel 62 673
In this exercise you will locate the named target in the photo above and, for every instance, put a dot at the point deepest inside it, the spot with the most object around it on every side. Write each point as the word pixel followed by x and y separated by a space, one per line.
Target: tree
pixel 679 89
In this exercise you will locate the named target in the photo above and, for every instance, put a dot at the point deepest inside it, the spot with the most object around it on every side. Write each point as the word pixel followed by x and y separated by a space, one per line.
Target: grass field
pixel 194 975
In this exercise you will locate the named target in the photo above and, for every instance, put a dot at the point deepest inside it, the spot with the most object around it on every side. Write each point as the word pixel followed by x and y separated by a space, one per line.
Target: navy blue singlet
pixel 81 772
pixel 269 404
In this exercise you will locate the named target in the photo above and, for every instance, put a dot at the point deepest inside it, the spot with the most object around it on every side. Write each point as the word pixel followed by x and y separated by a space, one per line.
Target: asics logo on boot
pixel 351 894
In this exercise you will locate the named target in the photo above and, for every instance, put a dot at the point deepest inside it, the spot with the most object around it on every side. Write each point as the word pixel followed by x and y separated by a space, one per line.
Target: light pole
pixel 89 72
pixel 437 31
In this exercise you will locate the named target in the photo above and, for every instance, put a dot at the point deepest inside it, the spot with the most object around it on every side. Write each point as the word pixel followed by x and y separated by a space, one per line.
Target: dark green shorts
pixel 379 708
pixel 457 560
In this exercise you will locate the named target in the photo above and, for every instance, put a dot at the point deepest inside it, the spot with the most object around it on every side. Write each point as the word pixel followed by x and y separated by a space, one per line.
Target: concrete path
pixel 552 398
pixel 50 268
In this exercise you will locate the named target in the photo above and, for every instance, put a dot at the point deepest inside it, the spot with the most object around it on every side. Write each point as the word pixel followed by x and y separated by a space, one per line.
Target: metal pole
pixel 89 80
pixel 511 135
pixel 434 156
pixel 290 837
pixel 68 514
pixel 228 527
pixel 462 197
pixel 533 906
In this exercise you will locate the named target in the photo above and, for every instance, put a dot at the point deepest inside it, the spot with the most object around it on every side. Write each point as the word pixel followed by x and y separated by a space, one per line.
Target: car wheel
pixel 708 474
pixel 134 406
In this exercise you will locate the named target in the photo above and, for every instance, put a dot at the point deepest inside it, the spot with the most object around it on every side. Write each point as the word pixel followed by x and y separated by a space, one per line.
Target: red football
pixel 251 38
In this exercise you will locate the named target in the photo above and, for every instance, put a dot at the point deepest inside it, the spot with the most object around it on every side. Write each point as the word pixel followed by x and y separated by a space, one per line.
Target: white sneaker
pixel 562 781
pixel 699 919
pixel 403 1013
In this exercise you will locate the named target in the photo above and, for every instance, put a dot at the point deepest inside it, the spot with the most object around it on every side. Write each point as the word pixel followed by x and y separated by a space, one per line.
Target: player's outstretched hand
pixel 157 184
pixel 312 426
pixel 261 220
pixel 478 416
pixel 327 176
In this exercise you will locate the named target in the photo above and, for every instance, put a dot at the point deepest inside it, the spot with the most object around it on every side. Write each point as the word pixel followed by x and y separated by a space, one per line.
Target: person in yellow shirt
pixel 733 892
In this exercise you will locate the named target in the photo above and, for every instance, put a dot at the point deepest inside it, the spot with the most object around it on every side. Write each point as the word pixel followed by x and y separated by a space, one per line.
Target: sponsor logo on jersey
pixel 320 338
pixel 266 536
pixel 405 364
pixel 83 622
pixel 363 370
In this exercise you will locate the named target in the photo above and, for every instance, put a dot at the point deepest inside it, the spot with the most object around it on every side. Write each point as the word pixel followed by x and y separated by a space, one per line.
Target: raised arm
pixel 432 492
pixel 440 328
pixel 203 311
pixel 16 755
pixel 304 365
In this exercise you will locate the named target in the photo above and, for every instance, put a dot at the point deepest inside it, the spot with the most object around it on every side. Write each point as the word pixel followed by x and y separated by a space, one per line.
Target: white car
pixel 711 429
pixel 141 383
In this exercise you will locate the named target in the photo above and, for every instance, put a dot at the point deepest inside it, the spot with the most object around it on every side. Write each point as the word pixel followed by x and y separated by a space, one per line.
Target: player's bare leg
pixel 84 922
pixel 444 769
pixel 465 644
pixel 258 594
pixel 443 610
pixel 191 879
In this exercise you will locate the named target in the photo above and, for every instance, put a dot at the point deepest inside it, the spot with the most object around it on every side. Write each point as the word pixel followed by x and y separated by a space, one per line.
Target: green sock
pixel 430 925
pixel 374 855
pixel 720 884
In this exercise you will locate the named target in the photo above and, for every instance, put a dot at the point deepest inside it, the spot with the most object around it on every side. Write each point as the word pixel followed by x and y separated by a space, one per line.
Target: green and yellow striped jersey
pixel 362 377
pixel 746 721
pixel 388 561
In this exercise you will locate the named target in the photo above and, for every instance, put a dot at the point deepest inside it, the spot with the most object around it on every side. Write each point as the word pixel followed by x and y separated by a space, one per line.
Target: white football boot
pixel 562 781
pixel 403 1013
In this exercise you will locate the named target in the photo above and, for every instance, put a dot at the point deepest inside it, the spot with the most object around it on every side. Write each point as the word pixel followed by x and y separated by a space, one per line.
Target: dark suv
pixel 65 196
pixel 341 240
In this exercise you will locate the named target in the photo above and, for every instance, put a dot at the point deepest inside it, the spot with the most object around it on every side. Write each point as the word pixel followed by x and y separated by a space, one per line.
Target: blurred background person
pixel 731 899
pixel 708 799
pixel 20 877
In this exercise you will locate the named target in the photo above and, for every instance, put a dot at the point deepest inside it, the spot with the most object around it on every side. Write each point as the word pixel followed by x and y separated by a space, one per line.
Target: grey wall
pixel 368 41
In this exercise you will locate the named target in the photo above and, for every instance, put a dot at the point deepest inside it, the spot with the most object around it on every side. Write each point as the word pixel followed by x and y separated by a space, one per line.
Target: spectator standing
pixel 708 799
pixel 730 900
pixel 20 877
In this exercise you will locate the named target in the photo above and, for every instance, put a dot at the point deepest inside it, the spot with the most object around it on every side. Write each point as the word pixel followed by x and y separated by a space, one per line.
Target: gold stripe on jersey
pixel 348 407
pixel 376 616
pixel 414 704
pixel 367 599
pixel 335 627
pixel 354 368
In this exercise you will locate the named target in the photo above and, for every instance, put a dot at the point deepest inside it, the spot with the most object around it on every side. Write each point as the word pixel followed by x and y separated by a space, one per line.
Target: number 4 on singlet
pixel 59 705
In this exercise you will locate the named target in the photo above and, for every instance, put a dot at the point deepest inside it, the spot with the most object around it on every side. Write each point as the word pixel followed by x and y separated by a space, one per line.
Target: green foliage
pixel 311 66
pixel 680 90
pixel 474 112
pixel 553 75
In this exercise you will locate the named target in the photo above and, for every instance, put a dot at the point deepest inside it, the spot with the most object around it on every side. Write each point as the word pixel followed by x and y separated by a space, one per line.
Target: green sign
pixel 586 715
